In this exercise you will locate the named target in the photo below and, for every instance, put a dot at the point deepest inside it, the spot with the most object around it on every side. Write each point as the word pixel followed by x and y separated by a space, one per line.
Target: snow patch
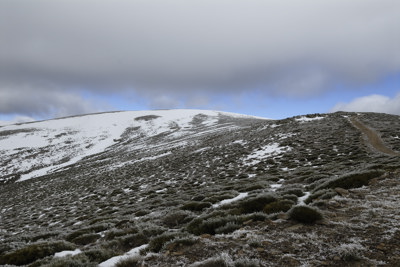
pixel 285 135
pixel 303 198
pixel 62 142
pixel 265 152
pixel 67 253
pixel 306 119
pixel 114 260
pixel 227 201
pixel 275 186
pixel 240 142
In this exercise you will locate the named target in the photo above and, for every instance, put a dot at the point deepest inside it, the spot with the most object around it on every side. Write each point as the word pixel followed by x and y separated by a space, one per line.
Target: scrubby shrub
pixel 320 203
pixel 34 252
pixel 290 197
pixel 351 180
pixel 86 231
pixel 86 239
pixel 247 263
pixel 196 206
pixel 125 224
pixel 350 252
pixel 210 225
pixel 294 191
pixel 98 255
pixel 278 206
pixel 198 198
pixel 4 248
pixel 256 216
pixel 157 243
pixel 181 242
pixel 218 261
pixel 305 214
pixel 256 203
pixel 120 232
pixel 321 194
pixel 77 233
pixel 146 118
pixel 44 236
pixel 253 187
pixel 128 242
pixel 149 230
pixel 141 213
pixel 176 218
pixel 130 262
pixel 227 228
pixel 75 261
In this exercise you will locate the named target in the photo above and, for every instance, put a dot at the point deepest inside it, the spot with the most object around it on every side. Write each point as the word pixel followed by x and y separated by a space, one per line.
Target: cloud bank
pixel 16 119
pixel 179 48
pixel 372 103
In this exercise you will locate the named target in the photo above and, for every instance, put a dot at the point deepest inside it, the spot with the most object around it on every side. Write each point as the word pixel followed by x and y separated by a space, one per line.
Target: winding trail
pixel 373 138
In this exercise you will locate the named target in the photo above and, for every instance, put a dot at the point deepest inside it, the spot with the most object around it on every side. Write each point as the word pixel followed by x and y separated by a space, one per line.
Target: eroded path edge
pixel 373 138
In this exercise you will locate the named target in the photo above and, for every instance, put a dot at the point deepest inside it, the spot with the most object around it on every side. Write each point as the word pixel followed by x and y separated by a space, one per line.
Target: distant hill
pixel 201 188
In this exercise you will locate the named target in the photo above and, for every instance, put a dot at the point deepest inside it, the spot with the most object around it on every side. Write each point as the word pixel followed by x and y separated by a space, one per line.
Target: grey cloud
pixel 16 119
pixel 43 101
pixel 164 102
pixel 180 47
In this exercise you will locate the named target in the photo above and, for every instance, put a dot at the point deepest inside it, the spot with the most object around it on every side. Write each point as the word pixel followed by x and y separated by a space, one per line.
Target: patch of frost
pixel 303 198
pixel 67 253
pixel 275 186
pixel 114 260
pixel 227 201
pixel 305 119
pixel 240 142
pixel 265 152
pixel 161 190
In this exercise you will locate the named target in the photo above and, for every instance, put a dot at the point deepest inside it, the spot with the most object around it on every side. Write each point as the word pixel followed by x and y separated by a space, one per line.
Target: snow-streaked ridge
pixel 59 143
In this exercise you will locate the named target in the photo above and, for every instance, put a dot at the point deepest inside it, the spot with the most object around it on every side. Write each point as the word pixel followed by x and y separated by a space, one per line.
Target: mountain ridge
pixel 110 125
pixel 221 190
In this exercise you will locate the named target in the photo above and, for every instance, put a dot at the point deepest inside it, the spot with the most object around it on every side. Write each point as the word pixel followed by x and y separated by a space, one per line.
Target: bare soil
pixel 373 138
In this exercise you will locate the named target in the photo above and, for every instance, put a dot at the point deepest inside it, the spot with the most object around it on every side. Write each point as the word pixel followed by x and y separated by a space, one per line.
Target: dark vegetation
pixel 33 252
pixel 168 202
pixel 305 214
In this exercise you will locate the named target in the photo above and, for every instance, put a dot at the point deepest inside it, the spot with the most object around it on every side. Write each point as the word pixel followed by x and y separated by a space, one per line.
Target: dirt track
pixel 373 138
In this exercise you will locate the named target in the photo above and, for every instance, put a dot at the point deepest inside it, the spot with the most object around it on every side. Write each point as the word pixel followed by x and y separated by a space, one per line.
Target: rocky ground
pixel 341 165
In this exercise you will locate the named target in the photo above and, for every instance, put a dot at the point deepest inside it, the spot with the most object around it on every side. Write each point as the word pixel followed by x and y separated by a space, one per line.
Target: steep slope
pixel 35 149
pixel 214 188
pixel 373 138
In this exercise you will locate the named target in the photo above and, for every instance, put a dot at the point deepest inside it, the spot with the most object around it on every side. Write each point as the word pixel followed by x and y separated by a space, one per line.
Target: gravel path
pixel 373 138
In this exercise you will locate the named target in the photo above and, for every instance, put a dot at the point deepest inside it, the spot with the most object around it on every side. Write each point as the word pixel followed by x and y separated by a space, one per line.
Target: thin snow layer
pixel 114 260
pixel 227 201
pixel 67 253
pixel 306 119
pixel 40 148
pixel 274 187
pixel 265 152
pixel 303 198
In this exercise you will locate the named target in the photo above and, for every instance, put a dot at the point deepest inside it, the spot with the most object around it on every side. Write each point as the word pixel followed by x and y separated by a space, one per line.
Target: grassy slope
pixel 108 212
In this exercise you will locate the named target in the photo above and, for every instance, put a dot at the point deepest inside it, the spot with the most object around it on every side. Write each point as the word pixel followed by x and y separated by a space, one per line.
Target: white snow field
pixel 40 148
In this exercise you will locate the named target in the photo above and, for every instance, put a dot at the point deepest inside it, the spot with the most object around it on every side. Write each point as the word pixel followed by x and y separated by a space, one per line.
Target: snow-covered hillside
pixel 35 149
pixel 197 188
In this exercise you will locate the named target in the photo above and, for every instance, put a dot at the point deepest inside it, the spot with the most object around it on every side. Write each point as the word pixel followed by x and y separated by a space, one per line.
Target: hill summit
pixel 201 188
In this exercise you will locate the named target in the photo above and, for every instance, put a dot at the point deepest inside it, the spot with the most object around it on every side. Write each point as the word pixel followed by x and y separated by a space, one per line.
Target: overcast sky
pixel 261 57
